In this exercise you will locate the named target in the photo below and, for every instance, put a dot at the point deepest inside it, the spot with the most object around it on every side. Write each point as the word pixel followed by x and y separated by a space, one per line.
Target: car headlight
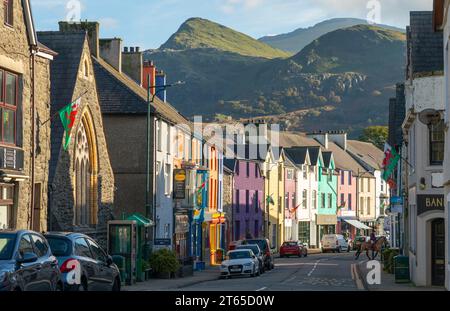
pixel 249 264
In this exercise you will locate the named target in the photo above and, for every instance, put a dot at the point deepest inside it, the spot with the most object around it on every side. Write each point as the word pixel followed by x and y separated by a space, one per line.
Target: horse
pixel 376 248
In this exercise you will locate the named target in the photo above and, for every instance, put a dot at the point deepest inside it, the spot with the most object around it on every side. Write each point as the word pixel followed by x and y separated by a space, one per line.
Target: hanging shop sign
pixel 179 184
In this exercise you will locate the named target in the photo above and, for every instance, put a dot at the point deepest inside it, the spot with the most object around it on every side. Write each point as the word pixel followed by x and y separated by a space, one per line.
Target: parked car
pixel 234 244
pixel 257 251
pixel 239 263
pixel 293 248
pixel 264 245
pixel 27 263
pixel 335 243
pixel 84 265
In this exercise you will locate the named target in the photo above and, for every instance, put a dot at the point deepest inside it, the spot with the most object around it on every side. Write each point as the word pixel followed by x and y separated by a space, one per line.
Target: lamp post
pixel 149 211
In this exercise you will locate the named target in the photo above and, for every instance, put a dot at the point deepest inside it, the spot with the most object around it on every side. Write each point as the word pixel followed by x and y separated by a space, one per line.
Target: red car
pixel 293 248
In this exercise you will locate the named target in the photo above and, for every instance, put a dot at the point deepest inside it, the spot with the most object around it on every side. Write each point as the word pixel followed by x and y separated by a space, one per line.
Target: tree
pixel 376 135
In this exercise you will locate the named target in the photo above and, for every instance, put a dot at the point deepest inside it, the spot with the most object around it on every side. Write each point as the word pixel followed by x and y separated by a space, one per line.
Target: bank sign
pixel 179 184
pixel 430 202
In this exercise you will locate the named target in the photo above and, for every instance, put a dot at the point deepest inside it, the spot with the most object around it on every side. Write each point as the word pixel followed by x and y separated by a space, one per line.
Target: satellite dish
pixel 430 117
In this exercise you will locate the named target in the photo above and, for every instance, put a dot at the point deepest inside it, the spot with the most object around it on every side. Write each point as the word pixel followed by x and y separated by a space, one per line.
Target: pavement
pixel 387 281
pixel 317 272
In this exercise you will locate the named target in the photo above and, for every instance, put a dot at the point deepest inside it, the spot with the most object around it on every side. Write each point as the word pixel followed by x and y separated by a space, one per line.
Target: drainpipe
pixel 33 132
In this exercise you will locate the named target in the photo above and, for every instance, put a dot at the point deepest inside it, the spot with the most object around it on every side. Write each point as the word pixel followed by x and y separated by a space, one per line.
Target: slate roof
pixel 425 46
pixel 367 153
pixel 298 155
pixel 63 70
pixel 327 156
pixel 229 163
pixel 119 94
pixel 314 154
pixel 344 161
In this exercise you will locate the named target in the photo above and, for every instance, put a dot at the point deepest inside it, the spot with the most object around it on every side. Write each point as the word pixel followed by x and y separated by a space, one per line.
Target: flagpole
pixel 57 112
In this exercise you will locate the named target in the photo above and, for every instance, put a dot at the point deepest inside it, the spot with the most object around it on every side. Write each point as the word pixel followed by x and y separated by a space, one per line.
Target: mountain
pixel 201 33
pixel 341 81
pixel 296 40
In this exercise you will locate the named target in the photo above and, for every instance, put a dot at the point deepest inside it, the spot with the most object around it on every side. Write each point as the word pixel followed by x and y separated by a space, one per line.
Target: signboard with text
pixel 179 184
pixel 430 202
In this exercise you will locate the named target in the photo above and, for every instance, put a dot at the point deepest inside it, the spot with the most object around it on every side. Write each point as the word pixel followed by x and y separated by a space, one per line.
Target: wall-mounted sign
pixel 430 202
pixel 326 220
pixel 162 242
pixel 179 184
pixel 181 223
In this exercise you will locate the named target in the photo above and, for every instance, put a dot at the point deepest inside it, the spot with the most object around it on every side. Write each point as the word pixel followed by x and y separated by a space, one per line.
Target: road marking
pixel 359 283
pixel 288 280
pixel 261 289
pixel 314 268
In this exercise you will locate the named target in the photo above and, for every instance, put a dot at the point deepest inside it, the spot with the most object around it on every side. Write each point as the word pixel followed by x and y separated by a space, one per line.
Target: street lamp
pixel 150 100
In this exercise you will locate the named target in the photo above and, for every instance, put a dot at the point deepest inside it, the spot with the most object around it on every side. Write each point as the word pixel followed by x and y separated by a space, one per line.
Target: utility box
pixel 401 269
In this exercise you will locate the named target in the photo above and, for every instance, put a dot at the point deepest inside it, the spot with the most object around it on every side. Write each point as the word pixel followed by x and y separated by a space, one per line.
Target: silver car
pixel 258 253
pixel 240 263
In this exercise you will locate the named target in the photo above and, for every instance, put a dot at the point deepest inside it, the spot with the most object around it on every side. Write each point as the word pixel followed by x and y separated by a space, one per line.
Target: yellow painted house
pixel 274 191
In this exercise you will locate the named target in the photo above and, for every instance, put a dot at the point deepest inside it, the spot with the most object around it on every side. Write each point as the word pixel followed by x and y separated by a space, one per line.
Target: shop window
pixel 437 143
pixel 8 106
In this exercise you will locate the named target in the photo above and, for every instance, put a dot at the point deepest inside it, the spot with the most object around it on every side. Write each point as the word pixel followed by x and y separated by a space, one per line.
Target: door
pixel 28 272
pixel 88 264
pixel 105 274
pixel 47 273
pixel 438 252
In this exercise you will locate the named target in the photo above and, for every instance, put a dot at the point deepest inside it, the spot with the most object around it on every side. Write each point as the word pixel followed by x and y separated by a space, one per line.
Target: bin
pixel 401 269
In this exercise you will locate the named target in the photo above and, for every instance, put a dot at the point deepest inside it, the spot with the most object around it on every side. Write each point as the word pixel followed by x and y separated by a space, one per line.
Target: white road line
pixel 261 289
pixel 314 268
pixel 290 279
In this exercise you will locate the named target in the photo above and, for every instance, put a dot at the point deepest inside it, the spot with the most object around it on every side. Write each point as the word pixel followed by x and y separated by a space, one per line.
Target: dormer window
pixel 9 12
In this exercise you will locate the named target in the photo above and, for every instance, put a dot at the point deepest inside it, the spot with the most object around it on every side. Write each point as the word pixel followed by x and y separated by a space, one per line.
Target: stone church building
pixel 81 181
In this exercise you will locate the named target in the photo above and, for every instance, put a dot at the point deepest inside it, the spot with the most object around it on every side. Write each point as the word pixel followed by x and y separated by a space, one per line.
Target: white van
pixel 335 243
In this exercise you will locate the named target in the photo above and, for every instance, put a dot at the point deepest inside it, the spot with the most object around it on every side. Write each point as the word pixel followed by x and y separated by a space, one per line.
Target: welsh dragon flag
pixel 391 159
pixel 68 115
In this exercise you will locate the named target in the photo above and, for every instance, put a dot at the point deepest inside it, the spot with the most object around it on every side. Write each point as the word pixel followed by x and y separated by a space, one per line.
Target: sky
pixel 149 23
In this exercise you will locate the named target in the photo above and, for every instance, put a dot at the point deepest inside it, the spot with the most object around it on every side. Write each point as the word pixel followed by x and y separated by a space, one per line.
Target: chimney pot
pixel 131 49
pixel 125 49
pixel 138 49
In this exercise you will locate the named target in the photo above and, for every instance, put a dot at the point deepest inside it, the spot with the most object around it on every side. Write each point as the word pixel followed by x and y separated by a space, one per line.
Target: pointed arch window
pixel 83 178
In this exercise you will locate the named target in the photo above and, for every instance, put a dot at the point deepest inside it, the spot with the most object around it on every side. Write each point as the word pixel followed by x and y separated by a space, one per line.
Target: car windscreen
pixel 239 255
pixel 254 248
pixel 7 242
pixel 60 247
pixel 260 243
pixel 290 244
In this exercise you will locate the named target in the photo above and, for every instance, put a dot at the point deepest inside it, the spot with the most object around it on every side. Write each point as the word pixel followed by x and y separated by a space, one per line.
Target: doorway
pixel 438 252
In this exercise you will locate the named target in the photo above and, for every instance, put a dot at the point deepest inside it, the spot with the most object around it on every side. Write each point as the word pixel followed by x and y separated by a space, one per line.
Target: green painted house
pixel 327 190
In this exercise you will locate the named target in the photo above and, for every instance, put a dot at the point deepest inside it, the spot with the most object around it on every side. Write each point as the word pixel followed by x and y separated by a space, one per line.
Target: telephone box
pixel 122 246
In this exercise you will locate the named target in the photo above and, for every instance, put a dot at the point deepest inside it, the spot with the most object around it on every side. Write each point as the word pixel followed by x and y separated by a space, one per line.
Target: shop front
pixel 326 224
pixel 215 237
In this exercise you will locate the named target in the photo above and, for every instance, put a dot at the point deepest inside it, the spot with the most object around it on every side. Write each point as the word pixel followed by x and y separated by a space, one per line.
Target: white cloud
pixel 231 6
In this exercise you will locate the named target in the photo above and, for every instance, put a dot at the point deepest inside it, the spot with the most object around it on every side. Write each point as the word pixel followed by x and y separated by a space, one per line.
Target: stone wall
pixel 62 194
pixel 15 56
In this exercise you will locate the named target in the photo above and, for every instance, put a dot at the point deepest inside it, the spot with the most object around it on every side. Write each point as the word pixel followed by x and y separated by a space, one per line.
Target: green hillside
pixel 343 80
pixel 198 33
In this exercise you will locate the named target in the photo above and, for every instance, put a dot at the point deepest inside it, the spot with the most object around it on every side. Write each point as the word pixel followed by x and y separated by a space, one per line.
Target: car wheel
pixel 348 249
pixel 83 287
pixel 116 285
pixel 339 249
pixel 306 254
pixel 59 287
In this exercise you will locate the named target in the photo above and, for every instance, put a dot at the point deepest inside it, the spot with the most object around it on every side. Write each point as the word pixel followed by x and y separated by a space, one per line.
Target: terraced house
pixel 25 106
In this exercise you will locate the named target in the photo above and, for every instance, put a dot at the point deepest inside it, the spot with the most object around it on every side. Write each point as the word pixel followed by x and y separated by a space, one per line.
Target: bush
pixel 164 261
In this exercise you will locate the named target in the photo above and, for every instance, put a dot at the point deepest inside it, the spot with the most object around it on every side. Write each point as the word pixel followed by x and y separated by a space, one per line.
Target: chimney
pixel 111 52
pixel 132 64
pixel 339 138
pixel 91 28
pixel 149 69
pixel 321 137
pixel 160 81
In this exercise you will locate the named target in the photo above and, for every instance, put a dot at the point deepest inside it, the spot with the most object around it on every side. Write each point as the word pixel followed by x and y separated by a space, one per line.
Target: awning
pixel 356 224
